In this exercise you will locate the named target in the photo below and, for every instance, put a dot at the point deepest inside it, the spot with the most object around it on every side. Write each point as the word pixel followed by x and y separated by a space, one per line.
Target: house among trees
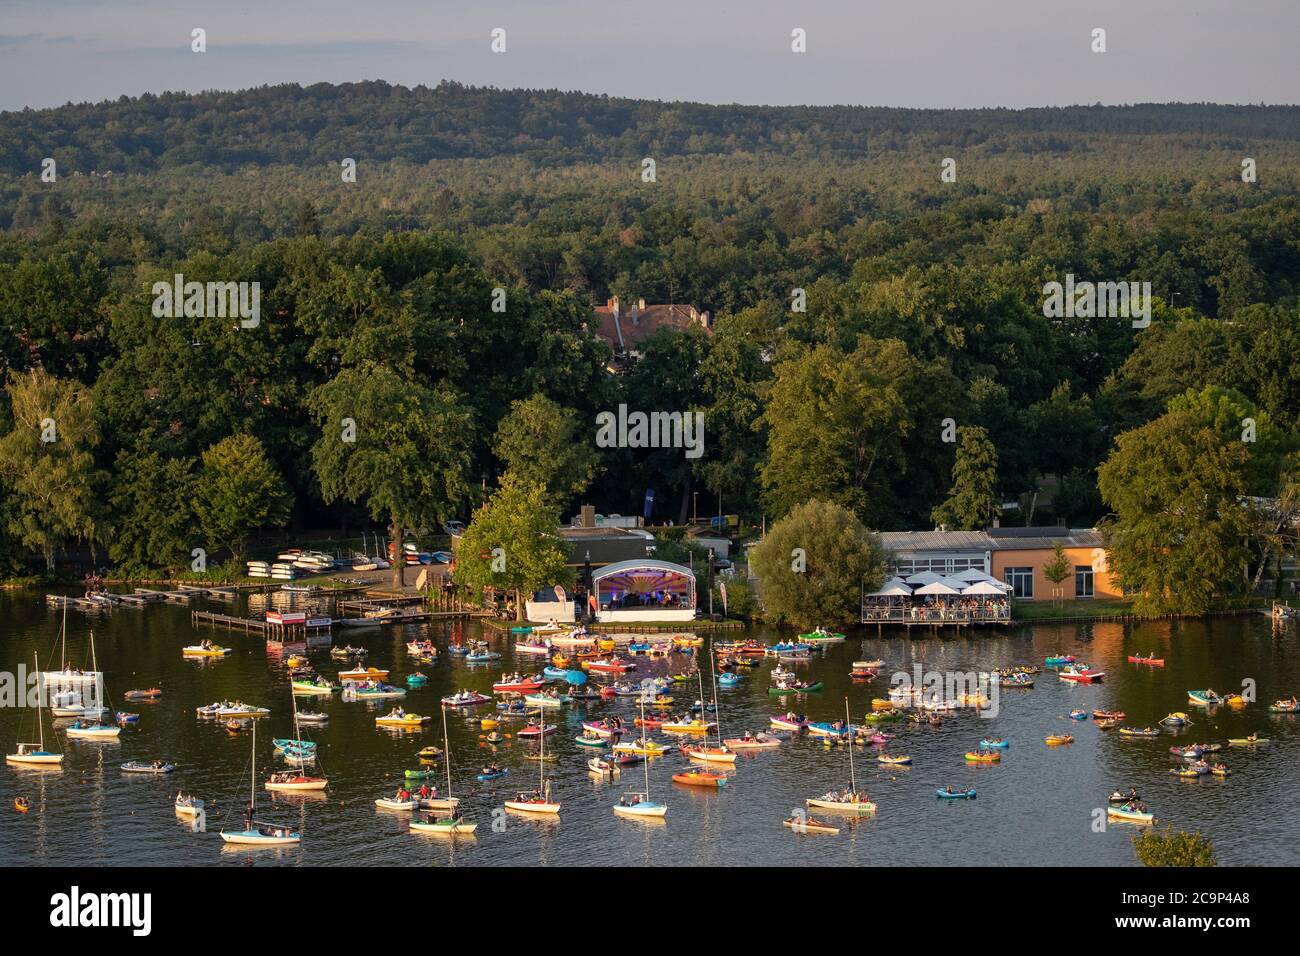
pixel 624 327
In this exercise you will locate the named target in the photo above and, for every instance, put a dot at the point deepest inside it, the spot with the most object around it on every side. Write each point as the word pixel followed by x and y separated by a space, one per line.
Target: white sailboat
pixel 68 689
pixel 453 823
pixel 634 804
pixel 853 801
pixel 254 833
pixel 539 801
pixel 35 754
pixel 90 726
pixel 295 781
pixel 721 753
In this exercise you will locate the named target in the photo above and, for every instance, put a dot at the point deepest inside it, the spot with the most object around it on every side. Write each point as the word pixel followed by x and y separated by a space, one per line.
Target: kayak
pixel 493 774
pixel 1247 741
pixel 1153 661
pixel 957 795
pixel 809 825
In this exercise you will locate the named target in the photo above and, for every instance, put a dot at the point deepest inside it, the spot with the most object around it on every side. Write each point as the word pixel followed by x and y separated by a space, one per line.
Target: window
pixel 1021 581
pixel 1082 581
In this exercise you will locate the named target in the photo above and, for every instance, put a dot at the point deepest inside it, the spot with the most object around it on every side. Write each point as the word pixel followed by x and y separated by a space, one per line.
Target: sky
pixel 918 53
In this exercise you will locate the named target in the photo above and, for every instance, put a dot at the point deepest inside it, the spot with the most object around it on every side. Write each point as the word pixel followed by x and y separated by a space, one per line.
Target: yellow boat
pixel 1055 739
pixel 1235 701
pixel 606 644
pixel 690 727
pixel 489 723
pixel 688 640
pixel 295 662
pixel 648 748
pixel 809 825
pixel 879 704
pixel 987 756
pixel 200 651
pixel 559 660
pixel 404 720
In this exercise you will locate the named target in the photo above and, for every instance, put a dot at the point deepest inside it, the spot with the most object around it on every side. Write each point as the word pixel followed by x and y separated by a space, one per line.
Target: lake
pixel 1036 807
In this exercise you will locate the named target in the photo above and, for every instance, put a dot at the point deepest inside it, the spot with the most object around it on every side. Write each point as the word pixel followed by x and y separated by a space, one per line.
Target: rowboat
pixel 188 806
pixel 892 760
pixel 466 698
pixel 85 729
pixel 795 687
pixel 755 742
pixel 789 722
pixel 1204 698
pixel 950 794
pixel 1130 812
pixel 701 777
pixel 1138 732
pixel 362 674
pixel 198 650
pixel 387 803
pixel 1053 740
pixel 1176 719
pixel 806 824
pixel 983 756
pixel 295 782
pixel 1153 660
pixel 154 767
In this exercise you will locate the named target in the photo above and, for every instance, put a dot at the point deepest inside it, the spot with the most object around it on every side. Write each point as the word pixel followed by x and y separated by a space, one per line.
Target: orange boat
pixel 1153 661
pixel 21 804
pixel 701 778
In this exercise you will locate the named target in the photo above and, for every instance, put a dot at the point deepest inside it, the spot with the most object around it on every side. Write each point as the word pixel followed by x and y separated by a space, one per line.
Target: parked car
pixel 454 527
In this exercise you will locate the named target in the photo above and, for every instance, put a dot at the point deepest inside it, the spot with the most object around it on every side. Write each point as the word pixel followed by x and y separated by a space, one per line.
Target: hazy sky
pixel 899 53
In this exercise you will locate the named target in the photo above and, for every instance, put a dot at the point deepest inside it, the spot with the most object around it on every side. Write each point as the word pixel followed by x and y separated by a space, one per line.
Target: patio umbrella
pixel 894 588
pixel 974 574
pixel 985 587
pixel 937 587
pixel 924 577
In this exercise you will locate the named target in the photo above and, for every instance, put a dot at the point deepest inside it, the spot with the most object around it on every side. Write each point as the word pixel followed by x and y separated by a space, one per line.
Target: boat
pixel 243 711
pixel 604 728
pixel 1139 732
pixel 86 729
pixel 795 687
pixel 35 754
pixel 1053 740
pixel 1235 701
pixel 206 649
pixel 603 767
pixel 647 748
pixel 948 793
pixel 1152 660
pixel 153 693
pixel 291 782
pixel 514 684
pixel 851 800
pixel 1108 715
pixel 1290 706
pixel 466 698
pixel 538 801
pixel 453 823
pixel 998 742
pixel 894 760
pixel 347 652
pixel 983 756
pixel 1204 698
pixel 1078 715
pixel 1176 719
pixel 403 800
pixel 1219 770
pixel 638 803
pixel 821 636
pixel 1081 674
pixel 793 722
pixel 588 739
pixel 759 741
pixel 546 700
pixel 1119 796
pixel 1254 740
pixel 1059 660
pixel 610 666
pixel 807 824
pixel 400 718
pixel 364 674
pixel 417 679
pixel 187 806
pixel 1130 812
pixel 371 690
pixel 22 804
pixel 701 777
pixel 313 685
pixel 148 767
pixel 693 726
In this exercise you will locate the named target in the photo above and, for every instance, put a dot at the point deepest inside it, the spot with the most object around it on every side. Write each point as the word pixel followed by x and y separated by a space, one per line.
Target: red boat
pixel 528 685
pixel 651 722
pixel 701 778
pixel 1153 661
pixel 611 666
pixel 1081 675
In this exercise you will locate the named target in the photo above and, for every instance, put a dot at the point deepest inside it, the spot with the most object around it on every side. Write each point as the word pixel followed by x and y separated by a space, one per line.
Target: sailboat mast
pixel 645 757
pixel 848 723
pixel 252 776
pixel 713 673
pixel 40 722
pixel 446 750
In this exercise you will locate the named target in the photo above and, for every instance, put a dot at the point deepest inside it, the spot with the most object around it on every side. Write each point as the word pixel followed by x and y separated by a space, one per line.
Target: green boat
pixel 880 716
pixel 420 774
pixel 820 636
pixel 796 690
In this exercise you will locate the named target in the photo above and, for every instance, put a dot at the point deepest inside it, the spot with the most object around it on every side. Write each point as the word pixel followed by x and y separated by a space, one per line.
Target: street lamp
pixel 695 511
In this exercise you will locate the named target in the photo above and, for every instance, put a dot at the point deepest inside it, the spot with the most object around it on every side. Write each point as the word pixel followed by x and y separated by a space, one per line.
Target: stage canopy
pixel 645 582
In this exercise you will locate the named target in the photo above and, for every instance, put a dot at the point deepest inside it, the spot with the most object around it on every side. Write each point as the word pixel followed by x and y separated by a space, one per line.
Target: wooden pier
pixel 275 632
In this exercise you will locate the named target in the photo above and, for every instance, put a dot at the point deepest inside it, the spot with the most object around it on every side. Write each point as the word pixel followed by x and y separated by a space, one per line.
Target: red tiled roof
pixel 623 326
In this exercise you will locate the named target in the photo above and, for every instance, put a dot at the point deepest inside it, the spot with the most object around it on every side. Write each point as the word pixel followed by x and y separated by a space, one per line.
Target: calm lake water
pixel 1036 807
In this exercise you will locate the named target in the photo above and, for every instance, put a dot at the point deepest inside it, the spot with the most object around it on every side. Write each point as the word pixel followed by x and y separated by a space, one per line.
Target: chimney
pixel 588 516
pixel 636 309
pixel 612 305
pixel 640 304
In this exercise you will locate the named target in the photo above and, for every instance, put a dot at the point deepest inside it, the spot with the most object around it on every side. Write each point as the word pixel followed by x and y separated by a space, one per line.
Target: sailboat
pixel 91 726
pixel 254 833
pixel 853 801
pixel 639 804
pixel 35 754
pixel 453 823
pixel 721 753
pixel 290 781
pixel 539 801
pixel 66 688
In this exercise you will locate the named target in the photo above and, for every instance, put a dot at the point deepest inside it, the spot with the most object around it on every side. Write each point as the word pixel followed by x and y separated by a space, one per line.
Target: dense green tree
pixel 1170 847
pixel 543 443
pixel 814 565
pixel 973 501
pixel 237 491
pixel 152 500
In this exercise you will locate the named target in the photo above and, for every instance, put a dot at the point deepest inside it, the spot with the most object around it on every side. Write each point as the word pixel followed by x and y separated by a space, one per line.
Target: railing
pixel 934 615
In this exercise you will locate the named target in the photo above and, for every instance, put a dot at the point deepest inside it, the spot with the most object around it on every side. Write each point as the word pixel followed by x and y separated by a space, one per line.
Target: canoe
pixel 1000 744
pixel 493 775
pixel 1054 739
pixel 1153 661
pixel 1133 816
pixel 808 689
pixel 809 825
pixel 200 651
pixel 956 795
pixel 1246 741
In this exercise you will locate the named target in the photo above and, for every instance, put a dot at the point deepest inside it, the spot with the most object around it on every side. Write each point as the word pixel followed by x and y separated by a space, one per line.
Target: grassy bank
pixel 1100 608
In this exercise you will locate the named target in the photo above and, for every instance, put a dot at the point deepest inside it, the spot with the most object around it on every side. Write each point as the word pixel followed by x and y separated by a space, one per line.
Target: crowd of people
pixel 937 609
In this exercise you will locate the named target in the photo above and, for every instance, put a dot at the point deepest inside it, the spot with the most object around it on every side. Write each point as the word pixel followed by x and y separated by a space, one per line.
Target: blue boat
pixel 288 745
pixel 728 680
pixel 416 680
pixel 492 776
pixel 956 795
pixel 551 672
pixel 457 650
pixel 521 630
pixel 482 657
pixel 999 744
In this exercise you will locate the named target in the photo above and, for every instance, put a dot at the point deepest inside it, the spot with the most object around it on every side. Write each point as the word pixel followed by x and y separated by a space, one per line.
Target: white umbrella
pixel 894 588
pixel 937 587
pixel 955 582
pixel 984 587
pixel 924 577
pixel 974 574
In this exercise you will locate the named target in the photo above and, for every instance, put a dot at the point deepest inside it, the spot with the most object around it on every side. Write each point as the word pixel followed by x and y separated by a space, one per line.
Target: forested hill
pixel 295 125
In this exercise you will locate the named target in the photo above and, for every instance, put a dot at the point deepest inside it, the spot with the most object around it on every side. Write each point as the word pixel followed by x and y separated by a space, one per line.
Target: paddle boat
pixel 604 728
pixel 313 685
pixel 1152 660
pixel 721 754
pixel 1053 740
pixel 791 722
pixel 536 730
pixel 701 777
pixel 550 700
pixel 400 718
pixel 148 767
pixel 894 760
pixel 206 649
pixel 1059 660
pixel 609 666
pixel 1235 701
pixel 553 672
pixel 126 718
pixel 693 726
pixel 820 635
pixel 466 698
pixel 948 793
pixel 1204 698
pixel 603 767
pixel 1130 813
pixel 517 684
pixel 991 742
pixel 823 728
pixel 482 656
pixel 647 748
pixel 364 674
pixel 588 739
pixel 1081 674
pixel 750 741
